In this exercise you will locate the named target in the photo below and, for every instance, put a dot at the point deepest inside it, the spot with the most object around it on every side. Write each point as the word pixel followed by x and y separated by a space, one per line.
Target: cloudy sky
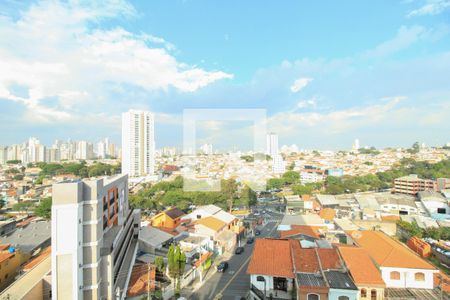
pixel 326 72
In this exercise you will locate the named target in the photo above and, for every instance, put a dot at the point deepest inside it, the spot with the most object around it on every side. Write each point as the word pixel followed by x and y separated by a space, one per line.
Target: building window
pixel 395 275
pixel 313 297
pixel 373 294
pixel 363 293
pixel 280 283
pixel 419 276
pixel 441 211
pixel 343 298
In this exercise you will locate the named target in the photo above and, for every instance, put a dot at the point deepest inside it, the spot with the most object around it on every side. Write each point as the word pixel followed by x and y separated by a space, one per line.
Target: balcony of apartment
pixel 273 294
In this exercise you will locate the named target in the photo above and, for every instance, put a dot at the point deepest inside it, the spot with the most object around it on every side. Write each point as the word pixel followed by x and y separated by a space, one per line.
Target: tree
pixel 159 262
pixel 176 262
pixel 2 202
pixel 24 206
pixel 291 177
pixel 44 208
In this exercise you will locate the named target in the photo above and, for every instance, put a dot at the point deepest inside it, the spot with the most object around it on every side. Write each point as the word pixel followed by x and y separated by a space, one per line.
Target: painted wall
pixel 407 278
pixel 334 294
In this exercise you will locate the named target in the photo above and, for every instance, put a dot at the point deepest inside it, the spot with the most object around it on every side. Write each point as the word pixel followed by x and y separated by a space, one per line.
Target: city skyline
pixel 386 82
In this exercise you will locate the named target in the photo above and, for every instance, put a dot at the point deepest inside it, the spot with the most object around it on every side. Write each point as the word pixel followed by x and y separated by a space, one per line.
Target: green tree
pixel 291 177
pixel 176 263
pixel 44 208
pixel 159 262
pixel 23 206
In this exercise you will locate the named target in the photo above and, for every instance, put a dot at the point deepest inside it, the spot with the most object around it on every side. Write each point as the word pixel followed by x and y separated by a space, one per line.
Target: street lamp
pixel 261 278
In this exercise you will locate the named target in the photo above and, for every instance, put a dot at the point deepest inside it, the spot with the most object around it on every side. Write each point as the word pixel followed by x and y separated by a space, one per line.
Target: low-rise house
pixel 152 239
pixel 364 273
pixel 170 218
pixel 10 260
pixel 400 266
pixel 270 270
pixel 327 200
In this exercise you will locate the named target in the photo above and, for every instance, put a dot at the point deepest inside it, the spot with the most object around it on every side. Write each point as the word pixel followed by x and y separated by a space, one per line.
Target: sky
pixel 325 72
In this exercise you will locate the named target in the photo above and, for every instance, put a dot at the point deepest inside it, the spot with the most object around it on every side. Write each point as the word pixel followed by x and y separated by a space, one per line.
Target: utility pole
pixel 148 281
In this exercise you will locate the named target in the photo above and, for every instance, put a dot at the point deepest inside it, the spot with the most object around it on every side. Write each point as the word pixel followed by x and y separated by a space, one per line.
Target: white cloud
pixel 307 103
pixel 405 37
pixel 431 7
pixel 333 121
pixel 54 51
pixel 299 84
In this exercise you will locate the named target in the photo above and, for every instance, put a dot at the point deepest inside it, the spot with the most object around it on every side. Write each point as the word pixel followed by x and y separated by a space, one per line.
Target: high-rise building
pixel 138 143
pixel 272 144
pixel 3 155
pixel 94 238
pixel 356 146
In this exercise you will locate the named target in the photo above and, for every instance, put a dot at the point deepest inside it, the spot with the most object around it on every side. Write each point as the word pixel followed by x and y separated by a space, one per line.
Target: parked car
pixel 222 267
pixel 239 250
pixel 257 232
pixel 250 240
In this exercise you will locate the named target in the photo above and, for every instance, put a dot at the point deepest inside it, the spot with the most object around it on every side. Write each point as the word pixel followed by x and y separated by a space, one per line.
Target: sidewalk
pixel 196 284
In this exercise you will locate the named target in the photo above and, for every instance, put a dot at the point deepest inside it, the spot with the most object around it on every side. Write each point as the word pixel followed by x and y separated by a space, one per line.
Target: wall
pixel 380 293
pixel 335 293
pixel 407 278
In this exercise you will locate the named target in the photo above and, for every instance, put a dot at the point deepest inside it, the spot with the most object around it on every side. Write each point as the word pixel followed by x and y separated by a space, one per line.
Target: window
pixel 313 297
pixel 419 276
pixel 395 275
pixel 373 294
pixel 343 298
pixel 441 210
pixel 363 293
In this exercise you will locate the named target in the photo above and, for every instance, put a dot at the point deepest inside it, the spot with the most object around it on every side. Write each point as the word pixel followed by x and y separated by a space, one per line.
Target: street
pixel 235 283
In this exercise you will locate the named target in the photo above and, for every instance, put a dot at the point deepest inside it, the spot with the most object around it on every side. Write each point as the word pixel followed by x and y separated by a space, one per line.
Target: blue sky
pixel 327 72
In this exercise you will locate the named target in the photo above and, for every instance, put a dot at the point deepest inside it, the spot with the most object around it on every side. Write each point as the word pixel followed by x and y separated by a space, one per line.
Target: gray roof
pixel 325 200
pixel 306 219
pixel 340 280
pixel 310 279
pixel 153 236
pixel 29 237
pixel 431 196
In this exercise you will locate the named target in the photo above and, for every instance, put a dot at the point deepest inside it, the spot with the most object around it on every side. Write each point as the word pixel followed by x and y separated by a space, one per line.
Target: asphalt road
pixel 235 283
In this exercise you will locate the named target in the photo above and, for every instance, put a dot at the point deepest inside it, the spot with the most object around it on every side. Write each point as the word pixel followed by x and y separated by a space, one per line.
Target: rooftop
pixel 271 257
pixel 339 280
pixel 312 231
pixel 212 223
pixel 174 213
pixel 29 237
pixel 153 235
pixel 354 258
pixel 387 252
pixel 309 279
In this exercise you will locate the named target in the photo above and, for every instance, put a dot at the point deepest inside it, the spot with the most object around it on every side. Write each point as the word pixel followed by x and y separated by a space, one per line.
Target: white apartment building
pixel 94 238
pixel 272 144
pixel 138 143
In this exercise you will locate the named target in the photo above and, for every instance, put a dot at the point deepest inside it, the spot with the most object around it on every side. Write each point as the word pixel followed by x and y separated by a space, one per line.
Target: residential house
pixel 270 269
pixel 364 273
pixel 170 218
pixel 10 260
pixel 400 266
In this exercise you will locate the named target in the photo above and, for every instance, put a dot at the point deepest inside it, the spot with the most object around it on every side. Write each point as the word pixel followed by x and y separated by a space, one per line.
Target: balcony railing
pixel 271 294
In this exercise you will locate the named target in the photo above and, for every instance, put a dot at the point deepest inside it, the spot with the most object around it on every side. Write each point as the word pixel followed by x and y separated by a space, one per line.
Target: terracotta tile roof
pixel 329 258
pixel 445 284
pixel 4 256
pixel 327 214
pixel 305 260
pixel 203 258
pixel 361 266
pixel 211 222
pixel 4 247
pixel 312 231
pixel 390 218
pixel 139 280
pixel 271 257
pixel 35 261
pixel 387 252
